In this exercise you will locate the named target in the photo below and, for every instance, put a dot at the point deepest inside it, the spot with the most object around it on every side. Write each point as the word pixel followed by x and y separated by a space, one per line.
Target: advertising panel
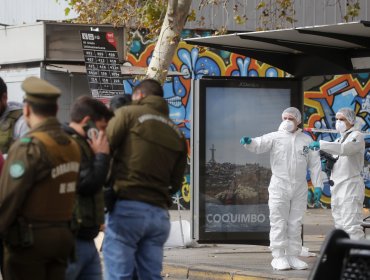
pixel 232 183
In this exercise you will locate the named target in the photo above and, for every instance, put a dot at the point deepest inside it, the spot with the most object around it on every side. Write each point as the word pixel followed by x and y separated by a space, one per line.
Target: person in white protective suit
pixel 348 191
pixel 289 158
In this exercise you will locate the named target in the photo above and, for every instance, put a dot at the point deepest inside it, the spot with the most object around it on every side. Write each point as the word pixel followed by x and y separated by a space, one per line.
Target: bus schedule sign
pixel 102 64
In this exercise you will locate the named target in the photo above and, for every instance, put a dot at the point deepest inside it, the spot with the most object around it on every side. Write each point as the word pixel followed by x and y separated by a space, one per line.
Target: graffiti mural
pixel 323 97
pixel 193 63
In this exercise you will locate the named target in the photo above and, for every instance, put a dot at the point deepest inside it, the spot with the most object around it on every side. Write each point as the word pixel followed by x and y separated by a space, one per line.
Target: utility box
pixel 51 51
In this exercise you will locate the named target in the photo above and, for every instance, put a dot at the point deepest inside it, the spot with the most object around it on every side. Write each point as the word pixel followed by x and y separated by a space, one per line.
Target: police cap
pixel 40 91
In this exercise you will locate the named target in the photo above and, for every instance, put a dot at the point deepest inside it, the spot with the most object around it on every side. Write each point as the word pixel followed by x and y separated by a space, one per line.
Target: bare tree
pixel 174 21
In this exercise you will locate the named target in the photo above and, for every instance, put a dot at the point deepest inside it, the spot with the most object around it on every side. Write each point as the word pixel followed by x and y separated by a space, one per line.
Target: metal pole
pixel 178 209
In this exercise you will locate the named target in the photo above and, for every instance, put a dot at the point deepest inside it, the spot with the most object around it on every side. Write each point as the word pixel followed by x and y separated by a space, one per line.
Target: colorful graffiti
pixel 194 63
pixel 325 95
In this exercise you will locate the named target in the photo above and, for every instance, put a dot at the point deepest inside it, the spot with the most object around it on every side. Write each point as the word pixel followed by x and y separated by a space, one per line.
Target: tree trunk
pixel 168 40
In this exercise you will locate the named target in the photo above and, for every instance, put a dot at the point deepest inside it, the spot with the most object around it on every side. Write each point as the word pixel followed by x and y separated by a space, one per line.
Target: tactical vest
pixel 6 129
pixel 89 210
pixel 52 199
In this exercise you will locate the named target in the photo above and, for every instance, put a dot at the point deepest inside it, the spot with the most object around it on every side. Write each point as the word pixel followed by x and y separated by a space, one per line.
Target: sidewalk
pixel 238 262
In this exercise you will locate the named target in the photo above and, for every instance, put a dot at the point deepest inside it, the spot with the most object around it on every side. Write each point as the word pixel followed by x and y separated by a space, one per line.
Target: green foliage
pixel 67 11
pixel 142 14
pixel 276 14
pixel 192 16
pixel 149 14
pixel 238 17
pixel 352 10
pixel 152 14
pixel 133 14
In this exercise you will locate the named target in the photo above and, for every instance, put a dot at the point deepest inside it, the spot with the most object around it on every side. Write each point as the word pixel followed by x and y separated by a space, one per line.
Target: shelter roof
pixel 304 51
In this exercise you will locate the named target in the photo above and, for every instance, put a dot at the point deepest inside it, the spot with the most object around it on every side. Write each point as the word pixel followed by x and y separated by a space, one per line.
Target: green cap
pixel 40 91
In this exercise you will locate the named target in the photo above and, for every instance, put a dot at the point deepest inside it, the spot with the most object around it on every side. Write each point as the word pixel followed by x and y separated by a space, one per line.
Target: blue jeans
pixel 134 236
pixel 87 265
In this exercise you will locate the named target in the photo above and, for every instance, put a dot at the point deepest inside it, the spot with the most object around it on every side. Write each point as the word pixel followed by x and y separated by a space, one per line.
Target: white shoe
pixel 296 263
pixel 280 263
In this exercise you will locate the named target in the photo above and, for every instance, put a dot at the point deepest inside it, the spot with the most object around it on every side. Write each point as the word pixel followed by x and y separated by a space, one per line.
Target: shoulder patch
pixel 16 169
pixel 25 140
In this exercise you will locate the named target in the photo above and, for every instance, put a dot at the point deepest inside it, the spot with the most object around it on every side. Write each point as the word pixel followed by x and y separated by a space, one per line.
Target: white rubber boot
pixel 296 263
pixel 280 263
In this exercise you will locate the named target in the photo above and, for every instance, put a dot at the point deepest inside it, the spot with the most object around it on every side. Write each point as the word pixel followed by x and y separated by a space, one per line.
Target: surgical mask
pixel 287 125
pixel 340 126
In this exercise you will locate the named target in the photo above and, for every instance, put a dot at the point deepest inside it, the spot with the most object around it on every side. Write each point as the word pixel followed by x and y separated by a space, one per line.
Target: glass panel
pixel 234 182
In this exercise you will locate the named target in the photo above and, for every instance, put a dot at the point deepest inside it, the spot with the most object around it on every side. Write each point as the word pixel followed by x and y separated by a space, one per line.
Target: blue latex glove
pixel 323 165
pixel 309 197
pixel 317 194
pixel 315 146
pixel 245 140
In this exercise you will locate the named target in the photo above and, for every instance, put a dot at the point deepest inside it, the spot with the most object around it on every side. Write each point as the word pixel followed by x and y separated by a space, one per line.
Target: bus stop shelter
pixel 305 51
pixel 301 52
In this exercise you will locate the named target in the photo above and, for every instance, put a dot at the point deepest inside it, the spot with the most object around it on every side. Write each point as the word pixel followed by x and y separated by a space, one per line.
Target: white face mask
pixel 340 126
pixel 287 125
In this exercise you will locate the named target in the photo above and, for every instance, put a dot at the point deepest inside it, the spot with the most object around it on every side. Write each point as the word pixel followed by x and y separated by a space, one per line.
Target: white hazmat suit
pixel 348 191
pixel 290 158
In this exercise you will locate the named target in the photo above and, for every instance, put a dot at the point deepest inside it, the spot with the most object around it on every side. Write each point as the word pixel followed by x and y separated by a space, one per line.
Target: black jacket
pixel 94 168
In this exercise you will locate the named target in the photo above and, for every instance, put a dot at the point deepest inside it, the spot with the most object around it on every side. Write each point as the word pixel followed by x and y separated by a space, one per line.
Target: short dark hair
pixel 43 109
pixel 150 87
pixel 3 87
pixel 119 101
pixel 87 106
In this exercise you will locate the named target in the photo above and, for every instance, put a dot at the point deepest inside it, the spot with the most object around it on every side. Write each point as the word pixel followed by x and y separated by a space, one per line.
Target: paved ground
pixel 240 262
pixel 237 262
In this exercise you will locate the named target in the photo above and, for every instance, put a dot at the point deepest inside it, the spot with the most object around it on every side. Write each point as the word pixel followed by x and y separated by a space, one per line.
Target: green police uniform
pixel 6 129
pixel 37 193
pixel 150 152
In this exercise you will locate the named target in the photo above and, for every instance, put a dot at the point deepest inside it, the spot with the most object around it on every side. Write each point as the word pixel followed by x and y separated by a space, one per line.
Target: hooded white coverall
pixel 348 191
pixel 289 159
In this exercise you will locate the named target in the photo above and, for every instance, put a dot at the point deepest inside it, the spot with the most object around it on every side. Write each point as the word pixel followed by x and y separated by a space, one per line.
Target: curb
pixel 175 271
pixel 204 272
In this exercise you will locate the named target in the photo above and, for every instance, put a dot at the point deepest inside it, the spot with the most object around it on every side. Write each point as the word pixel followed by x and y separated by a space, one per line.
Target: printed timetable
pixel 102 64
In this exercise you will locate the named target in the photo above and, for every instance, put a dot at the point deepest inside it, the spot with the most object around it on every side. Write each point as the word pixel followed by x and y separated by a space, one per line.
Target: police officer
pixel 37 191
pixel 12 123
pixel 12 126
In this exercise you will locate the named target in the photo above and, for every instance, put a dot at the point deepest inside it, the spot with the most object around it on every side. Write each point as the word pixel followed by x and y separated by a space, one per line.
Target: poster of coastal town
pixel 236 180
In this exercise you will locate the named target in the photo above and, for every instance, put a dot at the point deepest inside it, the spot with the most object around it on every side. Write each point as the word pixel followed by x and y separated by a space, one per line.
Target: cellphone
pixel 90 129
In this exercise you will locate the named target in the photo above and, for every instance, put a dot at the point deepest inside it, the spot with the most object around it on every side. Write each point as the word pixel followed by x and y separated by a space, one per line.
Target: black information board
pixel 102 64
